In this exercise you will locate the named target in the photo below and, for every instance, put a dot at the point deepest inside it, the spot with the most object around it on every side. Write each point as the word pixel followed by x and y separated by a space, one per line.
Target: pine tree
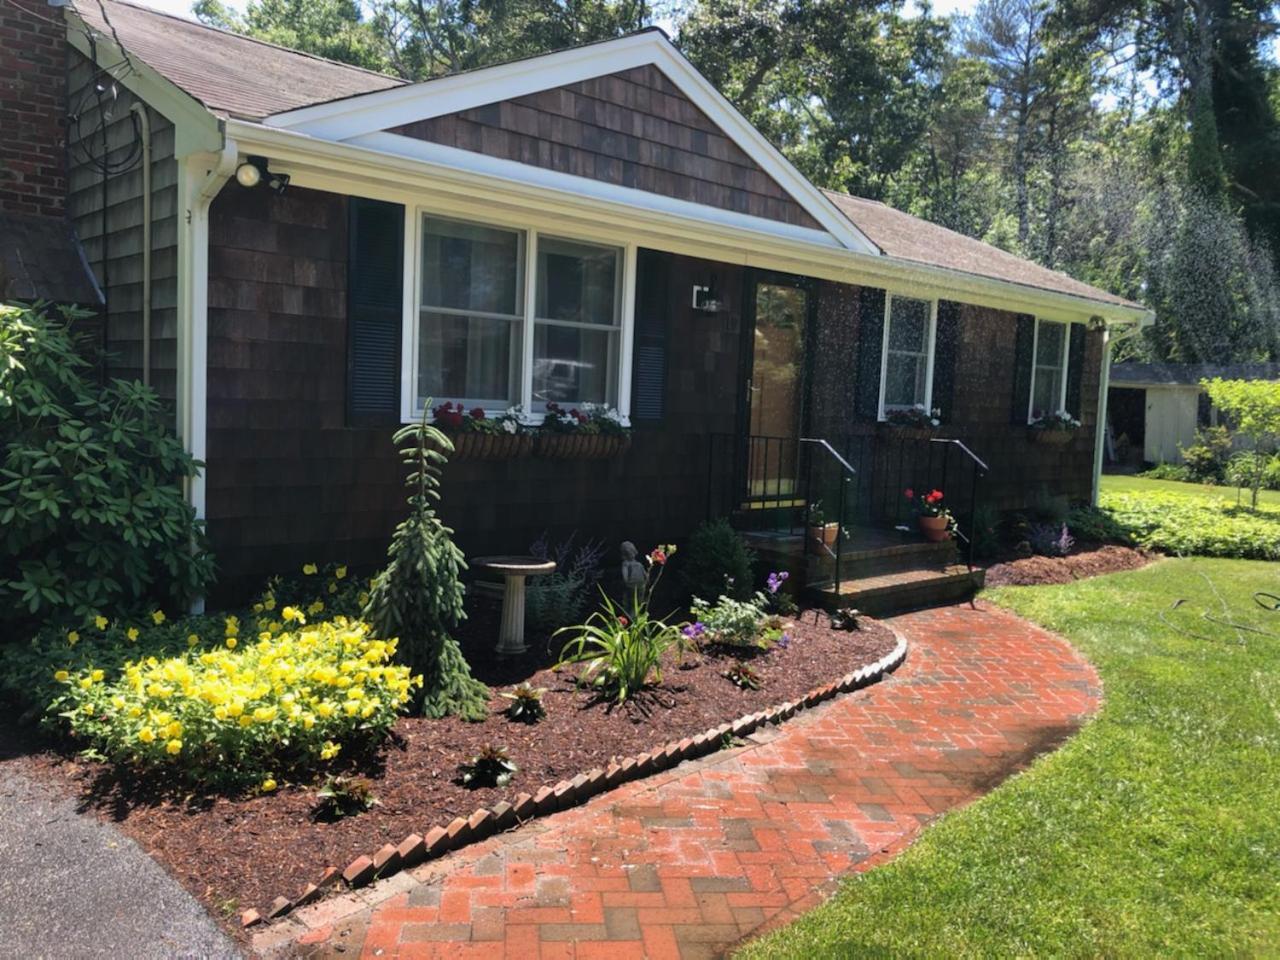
pixel 418 596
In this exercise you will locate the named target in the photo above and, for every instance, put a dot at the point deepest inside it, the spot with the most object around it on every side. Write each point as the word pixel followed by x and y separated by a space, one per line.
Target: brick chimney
pixel 33 108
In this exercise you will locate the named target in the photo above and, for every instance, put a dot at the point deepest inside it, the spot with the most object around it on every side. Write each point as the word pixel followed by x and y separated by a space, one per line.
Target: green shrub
pixel 418 595
pixel 1206 459
pixel 986 531
pixel 717 561
pixel 92 514
pixel 1094 525
pixel 1195 525
pixel 1169 471
pixel 737 623
pixel 241 713
pixel 1271 473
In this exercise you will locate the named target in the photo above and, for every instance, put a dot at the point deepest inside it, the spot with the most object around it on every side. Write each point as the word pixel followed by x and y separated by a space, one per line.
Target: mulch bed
pixel 1088 560
pixel 241 853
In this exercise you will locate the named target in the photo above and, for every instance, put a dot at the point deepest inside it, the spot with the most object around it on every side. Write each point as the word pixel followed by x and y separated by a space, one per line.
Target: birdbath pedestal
pixel 514 570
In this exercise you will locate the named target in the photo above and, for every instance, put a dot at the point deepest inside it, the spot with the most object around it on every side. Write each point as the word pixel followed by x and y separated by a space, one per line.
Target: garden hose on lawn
pixel 1267 601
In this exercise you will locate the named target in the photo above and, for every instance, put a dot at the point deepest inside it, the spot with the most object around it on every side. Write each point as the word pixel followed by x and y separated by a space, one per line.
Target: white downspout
pixel 1109 339
pixel 202 176
pixel 144 122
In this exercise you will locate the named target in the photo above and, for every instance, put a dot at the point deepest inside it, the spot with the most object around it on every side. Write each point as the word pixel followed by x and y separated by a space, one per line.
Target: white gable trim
pixel 573 185
pixel 353 118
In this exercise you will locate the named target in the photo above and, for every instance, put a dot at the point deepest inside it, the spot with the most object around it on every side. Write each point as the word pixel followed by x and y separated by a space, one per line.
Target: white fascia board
pixel 195 129
pixel 512 170
pixel 356 117
pixel 360 171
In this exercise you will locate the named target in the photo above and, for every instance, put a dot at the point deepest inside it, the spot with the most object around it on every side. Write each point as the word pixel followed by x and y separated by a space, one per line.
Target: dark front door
pixel 776 385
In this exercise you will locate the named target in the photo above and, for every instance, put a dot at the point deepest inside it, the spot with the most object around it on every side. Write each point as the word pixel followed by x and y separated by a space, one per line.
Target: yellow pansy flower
pixel 309 569
pixel 85 683
pixel 329 750
pixel 341 572
pixel 146 735
pixel 61 676
pixel 231 643
pixel 157 617
pixel 88 709
pixel 173 747
pixel 192 639
pixel 73 637
pixel 97 676
pixel 268 785
pixel 100 622
pixel 132 633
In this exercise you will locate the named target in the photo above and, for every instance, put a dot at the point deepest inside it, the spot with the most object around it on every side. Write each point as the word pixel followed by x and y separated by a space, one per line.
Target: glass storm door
pixel 776 388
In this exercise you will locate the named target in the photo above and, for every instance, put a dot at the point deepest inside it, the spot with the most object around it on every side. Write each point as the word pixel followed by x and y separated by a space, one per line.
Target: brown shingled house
pixel 332 247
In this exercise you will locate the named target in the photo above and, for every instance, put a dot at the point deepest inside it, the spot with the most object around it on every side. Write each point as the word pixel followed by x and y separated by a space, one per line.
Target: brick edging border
pixel 439 840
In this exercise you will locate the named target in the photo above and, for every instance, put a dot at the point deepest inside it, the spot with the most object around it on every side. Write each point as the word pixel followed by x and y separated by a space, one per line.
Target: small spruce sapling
pixel 417 597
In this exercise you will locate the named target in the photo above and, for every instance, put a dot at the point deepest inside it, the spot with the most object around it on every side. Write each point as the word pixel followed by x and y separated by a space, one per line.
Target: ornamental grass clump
pixel 285 703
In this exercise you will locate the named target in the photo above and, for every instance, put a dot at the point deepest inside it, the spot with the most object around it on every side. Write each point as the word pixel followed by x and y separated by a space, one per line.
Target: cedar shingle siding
pixel 633 129
pixel 123 249
pixel 289 480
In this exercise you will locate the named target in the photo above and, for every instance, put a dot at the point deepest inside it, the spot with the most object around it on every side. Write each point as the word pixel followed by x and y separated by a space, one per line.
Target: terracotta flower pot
pixel 1052 438
pixel 581 446
pixel 934 529
pixel 490 446
pixel 822 538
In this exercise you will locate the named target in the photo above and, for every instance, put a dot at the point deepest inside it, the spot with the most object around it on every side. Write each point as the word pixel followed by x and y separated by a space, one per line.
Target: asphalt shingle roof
pixel 231 75
pixel 248 79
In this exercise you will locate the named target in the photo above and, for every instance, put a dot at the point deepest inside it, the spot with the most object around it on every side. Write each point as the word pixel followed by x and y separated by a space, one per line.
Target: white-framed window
pixel 1048 368
pixel 906 357
pixel 577 323
pixel 503 314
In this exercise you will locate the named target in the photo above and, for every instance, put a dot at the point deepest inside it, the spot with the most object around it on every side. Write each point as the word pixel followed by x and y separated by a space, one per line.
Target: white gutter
pixel 1104 381
pixel 342 167
pixel 139 109
pixel 200 178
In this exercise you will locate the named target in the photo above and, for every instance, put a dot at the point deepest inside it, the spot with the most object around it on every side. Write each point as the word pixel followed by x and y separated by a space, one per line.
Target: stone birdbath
pixel 514 570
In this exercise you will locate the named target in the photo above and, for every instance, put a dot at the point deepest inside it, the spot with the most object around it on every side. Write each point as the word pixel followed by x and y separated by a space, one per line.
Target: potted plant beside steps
pixel 934 519
pixel 821 535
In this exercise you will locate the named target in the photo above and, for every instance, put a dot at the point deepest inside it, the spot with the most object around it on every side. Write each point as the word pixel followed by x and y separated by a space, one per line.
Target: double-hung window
pixel 907 358
pixel 1049 369
pixel 577 324
pixel 508 316
pixel 471 313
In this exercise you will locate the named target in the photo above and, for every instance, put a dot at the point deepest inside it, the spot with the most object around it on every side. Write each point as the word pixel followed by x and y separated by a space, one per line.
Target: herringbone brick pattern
pixel 686 864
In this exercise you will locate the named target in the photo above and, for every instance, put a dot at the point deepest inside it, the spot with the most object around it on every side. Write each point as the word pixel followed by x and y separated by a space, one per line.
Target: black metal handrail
pixel 850 475
pixel 980 470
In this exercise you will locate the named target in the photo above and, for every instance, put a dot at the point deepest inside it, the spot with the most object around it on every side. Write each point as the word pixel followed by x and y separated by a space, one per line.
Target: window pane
pixel 466 358
pixel 904 380
pixel 572 365
pixel 466 266
pixel 577 281
pixel 1049 344
pixel 908 324
pixel 1047 397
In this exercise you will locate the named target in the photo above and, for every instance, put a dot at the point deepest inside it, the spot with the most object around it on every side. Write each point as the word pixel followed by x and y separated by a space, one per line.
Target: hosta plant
pixel 491 767
pixel 526 703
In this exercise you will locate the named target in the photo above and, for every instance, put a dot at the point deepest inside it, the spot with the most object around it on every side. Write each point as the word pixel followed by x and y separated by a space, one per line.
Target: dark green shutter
pixel 649 362
pixel 945 347
pixel 1023 358
pixel 375 294
pixel 870 340
pixel 1075 367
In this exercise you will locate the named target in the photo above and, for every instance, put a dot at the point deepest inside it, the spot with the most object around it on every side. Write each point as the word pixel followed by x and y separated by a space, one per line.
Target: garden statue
pixel 634 574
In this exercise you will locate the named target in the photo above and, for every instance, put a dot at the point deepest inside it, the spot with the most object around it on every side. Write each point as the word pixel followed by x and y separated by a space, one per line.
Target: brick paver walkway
pixel 690 862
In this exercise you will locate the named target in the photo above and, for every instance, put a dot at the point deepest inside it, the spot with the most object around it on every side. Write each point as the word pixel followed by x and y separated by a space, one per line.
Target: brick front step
pixel 901 590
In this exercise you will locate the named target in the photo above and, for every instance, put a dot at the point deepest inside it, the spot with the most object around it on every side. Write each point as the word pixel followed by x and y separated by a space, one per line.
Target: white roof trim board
pixel 355 119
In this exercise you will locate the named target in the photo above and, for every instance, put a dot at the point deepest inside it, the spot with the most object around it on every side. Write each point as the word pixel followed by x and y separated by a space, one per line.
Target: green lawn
pixel 1155 831
pixel 1117 484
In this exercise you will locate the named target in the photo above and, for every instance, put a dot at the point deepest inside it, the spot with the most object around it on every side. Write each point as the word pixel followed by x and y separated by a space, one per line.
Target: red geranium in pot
pixel 934 518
